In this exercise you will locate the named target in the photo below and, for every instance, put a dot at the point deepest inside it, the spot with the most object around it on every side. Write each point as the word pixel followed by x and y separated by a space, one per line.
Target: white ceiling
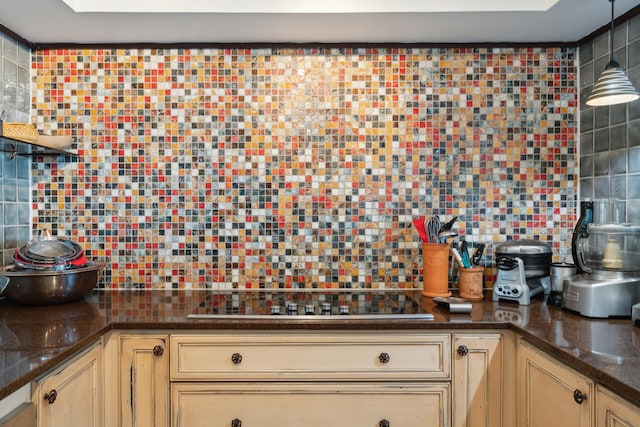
pixel 283 21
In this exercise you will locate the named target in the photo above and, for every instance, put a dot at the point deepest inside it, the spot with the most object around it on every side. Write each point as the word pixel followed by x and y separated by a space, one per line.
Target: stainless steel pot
pixel 36 287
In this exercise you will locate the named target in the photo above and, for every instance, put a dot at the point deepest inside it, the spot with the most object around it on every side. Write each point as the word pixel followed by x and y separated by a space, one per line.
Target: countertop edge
pixel 579 365
pixel 57 360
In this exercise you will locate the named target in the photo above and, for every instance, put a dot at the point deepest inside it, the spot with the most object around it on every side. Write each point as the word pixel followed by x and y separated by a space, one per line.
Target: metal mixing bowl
pixel 37 287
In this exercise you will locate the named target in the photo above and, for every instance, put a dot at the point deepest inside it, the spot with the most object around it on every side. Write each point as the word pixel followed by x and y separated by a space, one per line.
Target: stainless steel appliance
pixel 523 270
pixel 559 271
pixel 635 314
pixel 606 252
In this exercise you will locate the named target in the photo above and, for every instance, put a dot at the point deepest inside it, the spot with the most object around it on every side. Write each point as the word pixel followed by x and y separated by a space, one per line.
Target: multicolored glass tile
pixel 302 167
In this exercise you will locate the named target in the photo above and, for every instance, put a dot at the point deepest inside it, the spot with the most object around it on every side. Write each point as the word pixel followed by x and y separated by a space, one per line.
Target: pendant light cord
pixel 611 38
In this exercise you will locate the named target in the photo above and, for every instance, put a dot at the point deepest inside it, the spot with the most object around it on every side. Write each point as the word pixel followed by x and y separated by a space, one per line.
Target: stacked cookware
pixel 49 270
pixel 50 254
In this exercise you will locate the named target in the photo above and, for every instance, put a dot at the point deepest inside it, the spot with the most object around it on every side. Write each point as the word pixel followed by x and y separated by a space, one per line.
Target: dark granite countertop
pixel 35 339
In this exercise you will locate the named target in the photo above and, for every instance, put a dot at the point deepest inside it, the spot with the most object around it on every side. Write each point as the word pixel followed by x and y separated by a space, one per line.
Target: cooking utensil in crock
pixel 433 228
pixel 418 223
pixel 448 225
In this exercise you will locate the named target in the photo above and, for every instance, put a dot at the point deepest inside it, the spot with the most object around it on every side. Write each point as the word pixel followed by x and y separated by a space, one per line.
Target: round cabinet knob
pixel 236 358
pixel 158 350
pixel 236 423
pixel 462 350
pixel 384 423
pixel 384 358
pixel 579 396
pixel 51 396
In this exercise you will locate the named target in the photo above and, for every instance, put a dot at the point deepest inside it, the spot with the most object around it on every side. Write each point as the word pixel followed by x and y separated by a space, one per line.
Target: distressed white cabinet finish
pixel 613 411
pixel 309 355
pixel 310 378
pixel 72 395
pixel 310 404
pixel 550 393
pixel 137 369
pixel 477 380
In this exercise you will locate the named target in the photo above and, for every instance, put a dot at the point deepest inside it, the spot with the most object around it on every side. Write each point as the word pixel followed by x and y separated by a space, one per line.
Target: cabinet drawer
pixel 311 356
pixel 309 405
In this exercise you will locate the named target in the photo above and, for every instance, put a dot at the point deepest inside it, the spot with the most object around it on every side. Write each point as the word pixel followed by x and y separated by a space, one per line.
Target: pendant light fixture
pixel 613 86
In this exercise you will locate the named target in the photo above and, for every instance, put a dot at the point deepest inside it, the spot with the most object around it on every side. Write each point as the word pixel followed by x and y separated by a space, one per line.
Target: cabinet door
pixel 144 380
pixel 613 411
pixel 550 393
pixel 477 380
pixel 72 395
pixel 309 404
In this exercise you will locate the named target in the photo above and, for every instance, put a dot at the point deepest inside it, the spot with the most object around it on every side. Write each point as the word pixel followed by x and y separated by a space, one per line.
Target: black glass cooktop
pixel 311 304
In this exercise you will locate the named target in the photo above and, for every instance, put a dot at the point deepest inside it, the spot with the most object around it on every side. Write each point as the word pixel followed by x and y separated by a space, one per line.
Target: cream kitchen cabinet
pixel 477 380
pixel 310 404
pixel 72 394
pixel 550 393
pixel 137 383
pixel 613 411
pixel 307 355
pixel 307 378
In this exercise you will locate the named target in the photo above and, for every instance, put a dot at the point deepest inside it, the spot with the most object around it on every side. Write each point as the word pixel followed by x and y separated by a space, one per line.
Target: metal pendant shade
pixel 613 86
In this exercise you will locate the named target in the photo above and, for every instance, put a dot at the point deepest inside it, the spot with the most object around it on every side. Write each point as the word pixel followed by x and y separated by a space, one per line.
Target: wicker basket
pixel 20 131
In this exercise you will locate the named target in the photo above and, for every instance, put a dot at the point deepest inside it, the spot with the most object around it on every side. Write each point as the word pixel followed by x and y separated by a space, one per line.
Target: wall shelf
pixel 28 149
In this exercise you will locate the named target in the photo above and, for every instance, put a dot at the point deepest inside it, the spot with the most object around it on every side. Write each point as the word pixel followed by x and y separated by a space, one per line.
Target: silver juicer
pixel 606 252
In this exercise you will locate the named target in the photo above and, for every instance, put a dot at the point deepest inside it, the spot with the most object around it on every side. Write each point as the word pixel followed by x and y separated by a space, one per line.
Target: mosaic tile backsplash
pixel 301 167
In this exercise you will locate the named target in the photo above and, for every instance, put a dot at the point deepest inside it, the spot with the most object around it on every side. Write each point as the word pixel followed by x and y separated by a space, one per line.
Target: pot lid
pixel 524 246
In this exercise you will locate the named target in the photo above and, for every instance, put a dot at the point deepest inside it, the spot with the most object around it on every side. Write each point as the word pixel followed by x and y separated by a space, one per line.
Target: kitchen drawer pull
pixel 579 396
pixel 384 358
pixel 236 358
pixel 384 423
pixel 236 423
pixel 51 396
pixel 462 350
pixel 158 350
